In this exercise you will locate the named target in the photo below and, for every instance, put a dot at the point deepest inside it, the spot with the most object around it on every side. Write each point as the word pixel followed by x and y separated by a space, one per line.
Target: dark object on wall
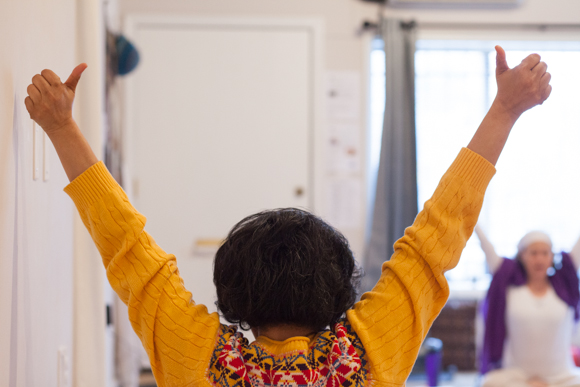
pixel 369 26
pixel 109 314
pixel 127 55
pixel 455 326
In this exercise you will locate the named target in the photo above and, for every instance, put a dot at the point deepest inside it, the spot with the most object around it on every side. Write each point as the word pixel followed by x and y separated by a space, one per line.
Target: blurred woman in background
pixel 530 312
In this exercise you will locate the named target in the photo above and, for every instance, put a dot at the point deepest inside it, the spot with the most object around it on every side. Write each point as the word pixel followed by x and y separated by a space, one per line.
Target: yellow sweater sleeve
pixel 178 335
pixel 393 319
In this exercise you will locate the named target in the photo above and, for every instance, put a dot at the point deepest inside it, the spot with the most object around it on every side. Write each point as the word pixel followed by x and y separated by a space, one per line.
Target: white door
pixel 221 125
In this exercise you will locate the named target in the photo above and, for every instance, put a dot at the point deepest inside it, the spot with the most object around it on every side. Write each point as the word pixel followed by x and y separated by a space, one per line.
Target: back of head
pixel 285 267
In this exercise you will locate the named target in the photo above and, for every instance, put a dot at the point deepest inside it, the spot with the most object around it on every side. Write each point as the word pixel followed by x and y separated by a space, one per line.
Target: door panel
pixel 221 127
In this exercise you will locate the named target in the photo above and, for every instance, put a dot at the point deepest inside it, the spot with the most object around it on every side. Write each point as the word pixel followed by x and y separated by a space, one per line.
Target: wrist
pixel 503 112
pixel 67 127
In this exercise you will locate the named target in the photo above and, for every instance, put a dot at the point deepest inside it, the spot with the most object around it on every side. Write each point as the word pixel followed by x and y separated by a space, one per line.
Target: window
pixel 537 185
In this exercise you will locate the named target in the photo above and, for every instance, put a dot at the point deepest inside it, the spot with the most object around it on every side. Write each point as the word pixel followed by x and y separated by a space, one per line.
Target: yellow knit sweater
pixel 378 341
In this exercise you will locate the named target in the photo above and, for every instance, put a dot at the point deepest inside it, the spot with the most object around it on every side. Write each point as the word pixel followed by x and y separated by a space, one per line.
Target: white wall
pixel 37 287
pixel 36 229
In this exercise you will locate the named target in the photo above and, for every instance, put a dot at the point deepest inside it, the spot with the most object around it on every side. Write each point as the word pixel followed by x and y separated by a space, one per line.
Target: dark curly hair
pixel 285 267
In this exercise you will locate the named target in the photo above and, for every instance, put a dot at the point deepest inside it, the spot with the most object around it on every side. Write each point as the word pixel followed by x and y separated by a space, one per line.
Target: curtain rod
pixel 367 26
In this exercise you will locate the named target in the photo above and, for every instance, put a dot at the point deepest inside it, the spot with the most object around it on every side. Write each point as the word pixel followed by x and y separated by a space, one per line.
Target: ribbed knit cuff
pixel 473 169
pixel 90 186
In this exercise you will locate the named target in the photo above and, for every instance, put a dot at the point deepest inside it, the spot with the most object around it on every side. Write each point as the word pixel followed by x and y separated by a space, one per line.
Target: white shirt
pixel 539 330
pixel 538 333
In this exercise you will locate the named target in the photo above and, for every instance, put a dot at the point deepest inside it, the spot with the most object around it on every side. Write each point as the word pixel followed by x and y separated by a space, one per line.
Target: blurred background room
pixel 352 109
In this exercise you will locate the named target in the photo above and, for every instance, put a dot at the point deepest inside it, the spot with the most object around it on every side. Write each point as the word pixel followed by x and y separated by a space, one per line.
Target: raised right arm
pixel 493 260
pixel 393 319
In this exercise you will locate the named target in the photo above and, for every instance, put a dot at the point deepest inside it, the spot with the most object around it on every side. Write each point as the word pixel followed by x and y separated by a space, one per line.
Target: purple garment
pixel 511 273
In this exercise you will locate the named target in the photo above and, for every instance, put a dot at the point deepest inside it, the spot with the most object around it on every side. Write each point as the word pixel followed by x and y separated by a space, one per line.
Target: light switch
pixel 36 150
pixel 45 157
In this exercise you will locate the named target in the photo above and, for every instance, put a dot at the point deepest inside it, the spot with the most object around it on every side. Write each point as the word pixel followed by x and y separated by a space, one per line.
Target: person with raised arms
pixel 530 313
pixel 286 274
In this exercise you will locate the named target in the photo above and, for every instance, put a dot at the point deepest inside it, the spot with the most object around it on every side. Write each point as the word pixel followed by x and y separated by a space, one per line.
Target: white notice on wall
pixel 344 207
pixel 343 94
pixel 343 148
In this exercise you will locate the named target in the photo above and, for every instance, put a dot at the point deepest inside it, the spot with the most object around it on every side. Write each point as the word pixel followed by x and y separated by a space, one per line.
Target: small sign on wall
pixel 343 95
pixel 343 100
pixel 343 148
pixel 343 141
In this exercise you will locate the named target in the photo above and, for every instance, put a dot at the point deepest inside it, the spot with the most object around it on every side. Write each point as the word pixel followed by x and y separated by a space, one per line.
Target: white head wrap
pixel 533 237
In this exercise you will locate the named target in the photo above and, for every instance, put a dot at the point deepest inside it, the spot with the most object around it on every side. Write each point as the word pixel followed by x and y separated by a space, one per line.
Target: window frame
pixel 457 39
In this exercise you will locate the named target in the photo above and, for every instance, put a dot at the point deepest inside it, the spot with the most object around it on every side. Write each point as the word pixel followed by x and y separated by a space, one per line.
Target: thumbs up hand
pixel 522 87
pixel 49 101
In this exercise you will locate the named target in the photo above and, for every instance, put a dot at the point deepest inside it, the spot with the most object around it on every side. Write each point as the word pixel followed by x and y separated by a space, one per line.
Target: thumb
pixel 501 65
pixel 74 77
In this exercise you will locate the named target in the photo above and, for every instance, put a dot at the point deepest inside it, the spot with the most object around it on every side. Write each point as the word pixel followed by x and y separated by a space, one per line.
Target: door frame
pixel 133 23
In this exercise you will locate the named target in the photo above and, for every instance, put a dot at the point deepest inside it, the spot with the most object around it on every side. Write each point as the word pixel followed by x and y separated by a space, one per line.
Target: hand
pixel 49 101
pixel 524 86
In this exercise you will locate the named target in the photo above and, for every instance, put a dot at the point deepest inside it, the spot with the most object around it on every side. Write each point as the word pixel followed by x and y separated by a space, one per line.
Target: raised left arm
pixel 178 335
